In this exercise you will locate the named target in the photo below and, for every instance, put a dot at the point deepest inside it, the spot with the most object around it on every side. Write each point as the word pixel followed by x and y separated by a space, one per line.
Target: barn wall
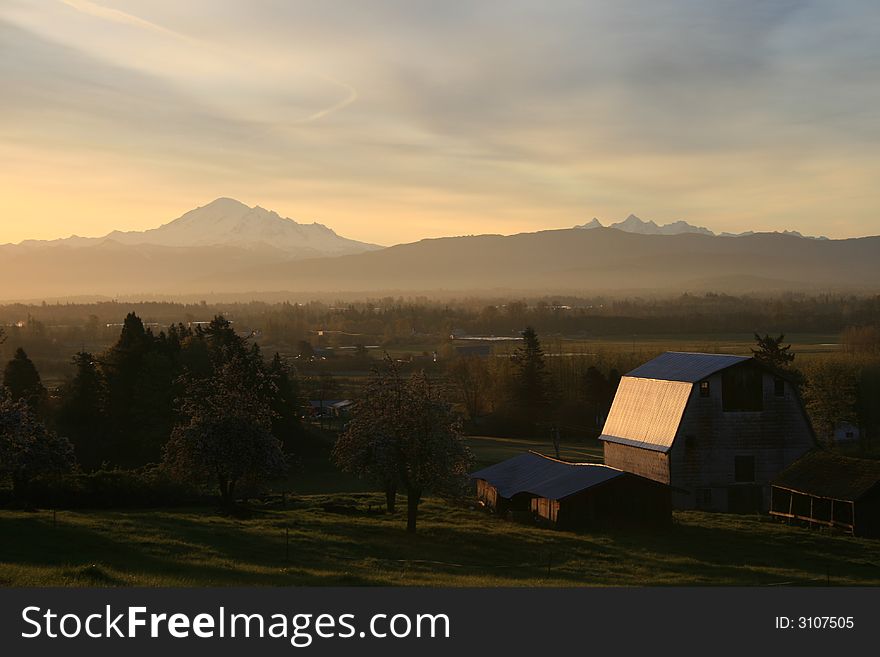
pixel 867 514
pixel 487 493
pixel 647 463
pixel 625 501
pixel 709 439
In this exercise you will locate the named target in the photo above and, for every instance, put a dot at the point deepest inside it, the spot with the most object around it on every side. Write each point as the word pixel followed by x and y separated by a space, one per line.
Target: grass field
pixel 454 547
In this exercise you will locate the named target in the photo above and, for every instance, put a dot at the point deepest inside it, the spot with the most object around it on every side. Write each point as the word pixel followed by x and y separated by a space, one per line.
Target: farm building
pixel 830 490
pixel 717 428
pixel 572 495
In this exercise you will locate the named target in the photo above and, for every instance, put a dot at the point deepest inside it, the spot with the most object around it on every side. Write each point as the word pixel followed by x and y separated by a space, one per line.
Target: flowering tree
pixel 404 435
pixel 225 437
pixel 27 448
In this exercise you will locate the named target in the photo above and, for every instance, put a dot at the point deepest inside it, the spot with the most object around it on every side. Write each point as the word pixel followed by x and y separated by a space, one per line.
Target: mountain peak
pixel 225 202
pixel 593 223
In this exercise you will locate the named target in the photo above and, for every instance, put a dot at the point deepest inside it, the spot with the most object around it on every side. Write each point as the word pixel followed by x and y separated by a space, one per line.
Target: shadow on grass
pixel 307 546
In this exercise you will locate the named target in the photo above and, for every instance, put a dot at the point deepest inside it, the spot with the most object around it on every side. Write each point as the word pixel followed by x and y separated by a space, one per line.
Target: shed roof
pixel 646 413
pixel 685 366
pixel 544 476
pixel 825 474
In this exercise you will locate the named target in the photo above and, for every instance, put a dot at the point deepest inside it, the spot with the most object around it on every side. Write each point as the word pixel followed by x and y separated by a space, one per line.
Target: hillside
pixel 597 260
pixel 454 547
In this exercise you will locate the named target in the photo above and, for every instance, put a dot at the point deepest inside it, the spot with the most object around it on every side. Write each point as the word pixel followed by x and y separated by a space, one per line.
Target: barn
pixel 572 495
pixel 830 490
pixel 716 427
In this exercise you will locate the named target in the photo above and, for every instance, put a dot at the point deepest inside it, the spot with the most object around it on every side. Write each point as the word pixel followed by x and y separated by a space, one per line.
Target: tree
pixel 22 380
pixel 831 397
pixel 286 403
pixel 470 374
pixel 27 448
pixel 225 435
pixel 82 415
pixel 597 395
pixel 771 351
pixel 531 394
pixel 403 434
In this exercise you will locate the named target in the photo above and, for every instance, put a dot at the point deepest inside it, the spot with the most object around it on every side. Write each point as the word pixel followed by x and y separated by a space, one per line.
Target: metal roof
pixel 544 476
pixel 824 474
pixel 684 366
pixel 646 413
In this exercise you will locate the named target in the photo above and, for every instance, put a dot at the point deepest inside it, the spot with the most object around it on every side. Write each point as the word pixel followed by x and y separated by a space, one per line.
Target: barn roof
pixel 650 401
pixel 684 366
pixel 646 413
pixel 824 474
pixel 544 476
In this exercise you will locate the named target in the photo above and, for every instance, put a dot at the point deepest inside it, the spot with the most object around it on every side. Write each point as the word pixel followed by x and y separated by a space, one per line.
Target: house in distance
pixel 572 495
pixel 717 428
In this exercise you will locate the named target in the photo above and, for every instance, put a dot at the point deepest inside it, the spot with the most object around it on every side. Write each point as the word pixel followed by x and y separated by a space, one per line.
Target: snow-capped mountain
pixel 632 224
pixel 230 223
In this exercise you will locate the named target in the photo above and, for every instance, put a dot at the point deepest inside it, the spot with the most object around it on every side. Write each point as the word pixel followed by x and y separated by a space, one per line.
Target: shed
pixel 572 495
pixel 830 490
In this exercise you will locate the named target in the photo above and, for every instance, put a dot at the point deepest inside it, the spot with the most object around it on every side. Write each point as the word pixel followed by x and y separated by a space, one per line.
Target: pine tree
pixel 22 380
pixel 531 394
pixel 82 415
pixel 772 352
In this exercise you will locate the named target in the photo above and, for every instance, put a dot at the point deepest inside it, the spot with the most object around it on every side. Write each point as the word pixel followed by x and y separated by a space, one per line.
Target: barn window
pixel 744 469
pixel 742 389
pixel 704 388
pixel 779 386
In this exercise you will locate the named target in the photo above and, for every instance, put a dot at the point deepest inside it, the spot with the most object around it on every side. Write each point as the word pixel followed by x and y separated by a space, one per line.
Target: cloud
pixel 537 114
pixel 121 17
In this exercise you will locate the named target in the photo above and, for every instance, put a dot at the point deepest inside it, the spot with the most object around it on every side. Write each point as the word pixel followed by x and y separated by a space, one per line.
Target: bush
pixel 105 489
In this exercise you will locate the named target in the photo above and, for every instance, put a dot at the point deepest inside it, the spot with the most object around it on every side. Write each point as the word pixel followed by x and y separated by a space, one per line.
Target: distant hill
pixel 571 260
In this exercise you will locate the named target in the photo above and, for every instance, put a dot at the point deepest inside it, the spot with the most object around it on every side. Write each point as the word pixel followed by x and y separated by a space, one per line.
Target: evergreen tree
pixel 22 380
pixel 81 415
pixel 531 394
pixel 772 352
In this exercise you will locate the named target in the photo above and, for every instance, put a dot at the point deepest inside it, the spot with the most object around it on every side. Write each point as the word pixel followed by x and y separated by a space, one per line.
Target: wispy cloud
pixel 121 17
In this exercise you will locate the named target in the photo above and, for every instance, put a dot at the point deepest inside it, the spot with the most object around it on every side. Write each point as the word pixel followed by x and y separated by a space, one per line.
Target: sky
pixel 395 120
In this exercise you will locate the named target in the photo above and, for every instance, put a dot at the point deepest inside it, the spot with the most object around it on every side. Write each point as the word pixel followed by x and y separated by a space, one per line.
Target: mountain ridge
pixel 634 224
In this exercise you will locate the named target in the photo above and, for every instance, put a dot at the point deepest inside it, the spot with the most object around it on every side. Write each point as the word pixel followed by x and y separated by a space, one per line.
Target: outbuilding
pixel 572 495
pixel 830 490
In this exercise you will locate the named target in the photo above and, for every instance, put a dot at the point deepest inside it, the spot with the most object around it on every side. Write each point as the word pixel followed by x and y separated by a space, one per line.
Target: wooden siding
pixel 704 452
pixel 643 462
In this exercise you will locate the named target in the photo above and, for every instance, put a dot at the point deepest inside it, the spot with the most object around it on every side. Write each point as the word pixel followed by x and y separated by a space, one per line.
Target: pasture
pixel 354 543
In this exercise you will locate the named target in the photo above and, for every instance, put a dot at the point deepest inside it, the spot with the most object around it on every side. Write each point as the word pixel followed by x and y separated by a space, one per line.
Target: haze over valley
pixel 227 247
